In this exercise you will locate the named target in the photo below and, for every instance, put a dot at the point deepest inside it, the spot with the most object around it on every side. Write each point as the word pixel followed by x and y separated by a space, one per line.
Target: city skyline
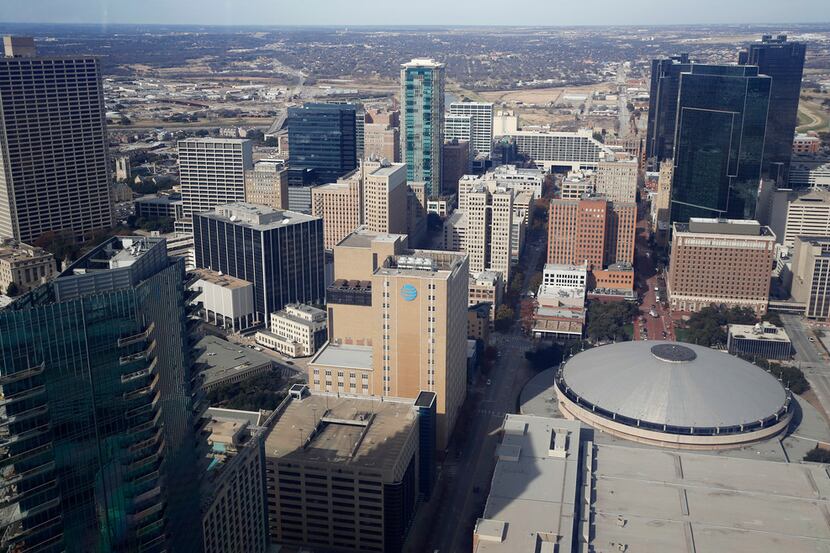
pixel 373 12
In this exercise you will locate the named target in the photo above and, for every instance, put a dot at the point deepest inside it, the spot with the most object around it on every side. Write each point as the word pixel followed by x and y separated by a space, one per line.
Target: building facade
pixel 456 164
pixel 381 141
pixel 340 206
pixel 481 126
pixel 617 180
pixel 717 262
pixel 323 138
pixel 808 214
pixel 280 252
pixel 101 445
pixel 24 265
pixel 573 150
pixel 422 122
pixel 763 340
pixel 385 197
pixel 224 301
pixel 811 275
pixel 267 184
pixel 298 330
pixel 55 170
pixel 211 173
pixel 662 107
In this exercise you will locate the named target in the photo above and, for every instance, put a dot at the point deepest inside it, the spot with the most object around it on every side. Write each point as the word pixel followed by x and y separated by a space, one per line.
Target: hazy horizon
pixel 531 13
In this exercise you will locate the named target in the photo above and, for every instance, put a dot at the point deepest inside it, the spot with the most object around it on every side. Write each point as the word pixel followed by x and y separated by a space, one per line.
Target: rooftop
pixel 222 359
pixel 12 250
pixel 361 432
pixel 736 227
pixel 219 279
pixel 345 356
pixel 422 62
pixel 418 263
pixel 761 331
pixel 256 216
pixel 362 238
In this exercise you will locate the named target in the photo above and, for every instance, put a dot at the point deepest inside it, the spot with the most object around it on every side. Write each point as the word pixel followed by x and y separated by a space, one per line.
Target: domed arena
pixel 674 395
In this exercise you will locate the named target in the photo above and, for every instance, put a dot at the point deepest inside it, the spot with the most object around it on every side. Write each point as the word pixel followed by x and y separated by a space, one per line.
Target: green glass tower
pixel 719 141
pixel 98 417
pixel 422 121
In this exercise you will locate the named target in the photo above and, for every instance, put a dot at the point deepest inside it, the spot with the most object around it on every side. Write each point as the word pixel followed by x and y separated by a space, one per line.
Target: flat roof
pixel 256 216
pixel 658 500
pixel 345 356
pixel 223 359
pixel 533 494
pixel 362 238
pixel 324 428
pixel 223 280
pixel 756 332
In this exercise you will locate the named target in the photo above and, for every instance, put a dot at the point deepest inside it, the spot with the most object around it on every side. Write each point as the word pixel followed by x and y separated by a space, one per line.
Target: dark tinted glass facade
pixel 783 61
pixel 286 263
pixel 719 142
pixel 323 137
pixel 662 106
pixel 98 446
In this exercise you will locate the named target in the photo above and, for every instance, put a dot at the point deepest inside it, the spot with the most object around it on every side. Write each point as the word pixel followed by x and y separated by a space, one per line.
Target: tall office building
pixel 783 61
pixel 385 197
pixel 716 261
pixel 811 275
pixel 279 252
pixel 488 240
pixel 458 126
pixel 323 138
pixel 340 206
pixel 381 141
pixel 100 413
pixel 662 106
pixel 719 141
pixel 456 155
pixel 211 173
pixel 481 127
pixel 807 214
pixel 54 167
pixel 397 324
pixel 422 126
pixel 267 184
pixel 617 180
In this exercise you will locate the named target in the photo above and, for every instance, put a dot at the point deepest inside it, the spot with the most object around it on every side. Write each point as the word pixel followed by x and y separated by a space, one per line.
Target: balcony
pixel 143 391
pixel 144 513
pixel 146 443
pixel 21 436
pixel 12 477
pixel 146 460
pixel 20 375
pixel 6 459
pixel 143 408
pixel 150 369
pixel 140 356
pixel 15 496
pixel 24 415
pixel 14 531
pixel 134 339
pixel 144 426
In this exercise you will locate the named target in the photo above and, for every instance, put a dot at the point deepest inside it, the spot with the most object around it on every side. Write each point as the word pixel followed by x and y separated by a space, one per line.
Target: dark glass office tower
pixel 719 141
pixel 98 419
pixel 323 137
pixel 280 252
pixel 783 61
pixel 662 107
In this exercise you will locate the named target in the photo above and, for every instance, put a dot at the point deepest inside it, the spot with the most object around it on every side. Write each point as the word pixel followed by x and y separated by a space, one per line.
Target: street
pixel 647 279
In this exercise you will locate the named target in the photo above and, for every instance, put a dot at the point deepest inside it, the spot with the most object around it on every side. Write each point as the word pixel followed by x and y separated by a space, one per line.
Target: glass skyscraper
pixel 280 252
pixel 719 141
pixel 783 61
pixel 98 414
pixel 422 121
pixel 662 107
pixel 323 137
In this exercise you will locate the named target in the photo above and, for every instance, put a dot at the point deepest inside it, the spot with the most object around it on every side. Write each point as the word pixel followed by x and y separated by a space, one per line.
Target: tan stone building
pixel 385 197
pixel 397 324
pixel 24 265
pixel 486 287
pixel 811 275
pixel 340 205
pixel 381 141
pixel 617 180
pixel 267 184
pixel 720 262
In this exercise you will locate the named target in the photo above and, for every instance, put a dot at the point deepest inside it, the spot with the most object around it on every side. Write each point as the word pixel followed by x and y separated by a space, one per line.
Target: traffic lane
pixel 804 349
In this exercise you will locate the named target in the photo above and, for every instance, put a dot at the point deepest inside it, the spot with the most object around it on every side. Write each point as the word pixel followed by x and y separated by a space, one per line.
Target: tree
pixel 818 455
pixel 607 321
pixel 12 290
pixel 61 244
pixel 263 391
pixel 504 317
pixel 772 318
pixel 707 326
pixel 535 281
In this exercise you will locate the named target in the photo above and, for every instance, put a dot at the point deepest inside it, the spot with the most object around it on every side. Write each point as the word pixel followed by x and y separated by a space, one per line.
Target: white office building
pixel 572 150
pixel 225 301
pixel 481 136
pixel 299 330
pixel 458 127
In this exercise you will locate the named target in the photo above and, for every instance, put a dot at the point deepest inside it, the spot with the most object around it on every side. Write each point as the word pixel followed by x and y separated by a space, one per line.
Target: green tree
pixel 12 290
pixel 818 455
pixel 504 317
pixel 772 318
pixel 535 281
pixel 607 321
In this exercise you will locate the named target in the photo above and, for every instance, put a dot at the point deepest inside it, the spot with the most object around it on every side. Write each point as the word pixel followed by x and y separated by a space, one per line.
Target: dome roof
pixel 666 383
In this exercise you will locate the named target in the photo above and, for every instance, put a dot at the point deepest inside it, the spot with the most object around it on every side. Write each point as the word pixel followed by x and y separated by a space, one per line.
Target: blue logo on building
pixel 409 292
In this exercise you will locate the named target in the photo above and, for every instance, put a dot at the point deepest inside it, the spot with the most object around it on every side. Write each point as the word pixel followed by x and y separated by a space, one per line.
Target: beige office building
pixel 397 324
pixel 617 180
pixel 298 330
pixel 486 287
pixel 717 262
pixel 340 205
pixel 811 275
pixel 385 197
pixel 808 214
pixel 488 239
pixel 267 184
pixel 24 265
pixel 381 141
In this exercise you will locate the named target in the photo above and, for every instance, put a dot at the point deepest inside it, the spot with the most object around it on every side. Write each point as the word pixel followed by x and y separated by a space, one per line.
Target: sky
pixel 415 12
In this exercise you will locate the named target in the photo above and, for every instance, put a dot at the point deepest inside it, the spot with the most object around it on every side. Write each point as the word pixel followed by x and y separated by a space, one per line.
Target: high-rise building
pixel 662 107
pixel 385 197
pixel 54 171
pixel 211 173
pixel 617 180
pixel 422 125
pixel 811 275
pixel 381 141
pixel 719 141
pixel 323 137
pixel 279 252
pixel 783 61
pixel 397 324
pixel 267 184
pixel 340 205
pixel 456 164
pixel 808 214
pixel 481 126
pixel 567 150
pixel 346 473
pixel 100 412
pixel 458 126
pixel 519 179
pixel 717 261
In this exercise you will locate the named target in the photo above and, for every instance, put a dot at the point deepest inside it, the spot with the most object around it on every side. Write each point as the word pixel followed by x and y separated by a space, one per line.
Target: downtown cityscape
pixel 441 286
